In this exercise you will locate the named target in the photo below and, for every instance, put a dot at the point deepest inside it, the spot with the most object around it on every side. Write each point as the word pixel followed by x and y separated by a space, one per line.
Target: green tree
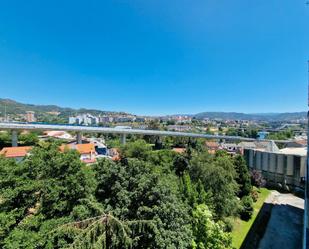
pixel 137 149
pixel 242 176
pixel 207 233
pixel 218 177
pixel 28 139
pixel 135 191
pixel 246 208
pixel 104 231
pixel 46 186
pixel 5 139
pixel 64 179
pixel 180 164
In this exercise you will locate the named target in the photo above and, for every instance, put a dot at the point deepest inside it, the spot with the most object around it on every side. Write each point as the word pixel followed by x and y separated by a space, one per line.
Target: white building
pixel 84 119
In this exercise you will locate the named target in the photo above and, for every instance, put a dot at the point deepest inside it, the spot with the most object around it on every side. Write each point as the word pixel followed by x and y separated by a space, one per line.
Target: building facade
pixel 30 117
pixel 284 168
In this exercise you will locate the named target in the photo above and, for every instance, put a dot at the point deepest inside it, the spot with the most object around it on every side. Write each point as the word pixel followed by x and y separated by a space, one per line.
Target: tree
pixel 218 177
pixel 136 191
pixel 53 200
pixel 137 149
pixel 48 185
pixel 158 144
pixel 63 178
pixel 243 176
pixel 5 139
pixel 246 208
pixel 180 164
pixel 188 190
pixel 207 233
pixel 28 139
pixel 104 231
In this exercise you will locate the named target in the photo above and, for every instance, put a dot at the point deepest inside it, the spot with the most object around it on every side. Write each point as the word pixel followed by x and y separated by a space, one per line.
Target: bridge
pixel 14 127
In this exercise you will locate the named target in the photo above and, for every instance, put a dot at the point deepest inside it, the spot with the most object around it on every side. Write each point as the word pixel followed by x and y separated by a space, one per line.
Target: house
pixel 212 146
pixel 87 151
pixel 17 153
pixel 230 148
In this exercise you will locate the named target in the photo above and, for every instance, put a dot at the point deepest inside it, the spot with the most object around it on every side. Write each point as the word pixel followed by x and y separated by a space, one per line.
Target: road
pixel 90 129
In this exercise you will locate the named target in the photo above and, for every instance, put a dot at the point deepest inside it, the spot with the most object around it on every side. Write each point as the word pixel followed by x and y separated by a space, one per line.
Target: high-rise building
pixel 30 116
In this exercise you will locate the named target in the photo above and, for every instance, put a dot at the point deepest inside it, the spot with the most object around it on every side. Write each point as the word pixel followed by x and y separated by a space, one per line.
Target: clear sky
pixel 156 56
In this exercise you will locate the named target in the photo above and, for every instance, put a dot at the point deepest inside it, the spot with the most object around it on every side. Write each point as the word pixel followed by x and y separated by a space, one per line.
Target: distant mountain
pixel 255 116
pixel 13 107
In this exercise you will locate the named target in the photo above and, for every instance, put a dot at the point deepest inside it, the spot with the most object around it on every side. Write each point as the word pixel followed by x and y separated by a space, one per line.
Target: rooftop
pixel 12 152
pixel 81 148
pixel 299 151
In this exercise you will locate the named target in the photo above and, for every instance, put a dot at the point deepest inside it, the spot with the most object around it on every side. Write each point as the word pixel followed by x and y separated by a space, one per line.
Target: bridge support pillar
pixel 79 138
pixel 14 138
pixel 123 139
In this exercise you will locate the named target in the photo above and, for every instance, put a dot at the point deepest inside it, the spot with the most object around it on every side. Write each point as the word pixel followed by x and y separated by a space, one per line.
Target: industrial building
pixel 285 167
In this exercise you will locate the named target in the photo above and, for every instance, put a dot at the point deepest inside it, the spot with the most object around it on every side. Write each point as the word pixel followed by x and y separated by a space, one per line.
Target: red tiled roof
pixel 85 148
pixel 11 152
pixel 81 148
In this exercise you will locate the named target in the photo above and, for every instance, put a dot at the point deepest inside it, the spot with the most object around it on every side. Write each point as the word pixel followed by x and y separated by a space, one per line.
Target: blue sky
pixel 156 56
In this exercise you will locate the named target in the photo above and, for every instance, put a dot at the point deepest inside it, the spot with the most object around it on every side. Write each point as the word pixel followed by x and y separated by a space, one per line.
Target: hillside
pixel 13 108
pixel 255 116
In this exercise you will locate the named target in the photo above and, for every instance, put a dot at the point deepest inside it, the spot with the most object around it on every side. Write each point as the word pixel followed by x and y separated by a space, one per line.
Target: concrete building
pixel 105 119
pixel 30 117
pixel 84 119
pixel 179 128
pixel 72 120
pixel 285 167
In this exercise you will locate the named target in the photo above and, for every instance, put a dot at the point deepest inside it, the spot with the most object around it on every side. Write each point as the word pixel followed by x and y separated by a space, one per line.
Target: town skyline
pixel 85 110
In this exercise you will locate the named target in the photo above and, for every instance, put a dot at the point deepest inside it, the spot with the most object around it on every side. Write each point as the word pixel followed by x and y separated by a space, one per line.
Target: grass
pixel 241 228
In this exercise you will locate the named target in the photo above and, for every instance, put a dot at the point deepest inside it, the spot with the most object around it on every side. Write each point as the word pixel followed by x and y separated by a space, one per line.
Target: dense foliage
pixel 151 198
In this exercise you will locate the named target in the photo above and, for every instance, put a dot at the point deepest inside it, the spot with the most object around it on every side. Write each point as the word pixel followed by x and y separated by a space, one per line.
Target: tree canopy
pixel 151 198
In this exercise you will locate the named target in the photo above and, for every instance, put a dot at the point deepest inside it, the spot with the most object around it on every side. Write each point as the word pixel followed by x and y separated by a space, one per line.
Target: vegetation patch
pixel 242 227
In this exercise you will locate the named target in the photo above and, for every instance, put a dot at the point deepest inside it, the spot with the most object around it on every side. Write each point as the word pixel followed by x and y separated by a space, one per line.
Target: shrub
pixel 229 224
pixel 254 195
pixel 246 208
pixel 257 179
